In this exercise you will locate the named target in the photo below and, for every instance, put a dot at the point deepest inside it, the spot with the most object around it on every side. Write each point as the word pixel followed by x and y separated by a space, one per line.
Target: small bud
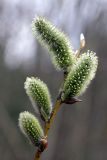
pixel 39 94
pixel 80 75
pixel 31 128
pixel 82 41
pixel 82 45
pixel 56 42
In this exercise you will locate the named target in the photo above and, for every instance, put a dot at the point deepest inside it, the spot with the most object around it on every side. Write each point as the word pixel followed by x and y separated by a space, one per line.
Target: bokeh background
pixel 79 131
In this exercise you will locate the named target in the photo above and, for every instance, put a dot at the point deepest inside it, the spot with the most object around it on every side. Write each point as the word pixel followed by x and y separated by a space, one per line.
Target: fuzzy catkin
pixel 30 127
pixel 39 94
pixel 57 43
pixel 80 75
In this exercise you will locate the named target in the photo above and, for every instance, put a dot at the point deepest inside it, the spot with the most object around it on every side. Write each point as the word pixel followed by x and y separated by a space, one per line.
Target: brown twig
pixel 54 112
pixel 41 147
pixel 55 108
pixel 37 155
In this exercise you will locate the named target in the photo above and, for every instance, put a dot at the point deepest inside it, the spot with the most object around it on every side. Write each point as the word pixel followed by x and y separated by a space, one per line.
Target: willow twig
pixel 37 155
pixel 54 112
pixel 56 107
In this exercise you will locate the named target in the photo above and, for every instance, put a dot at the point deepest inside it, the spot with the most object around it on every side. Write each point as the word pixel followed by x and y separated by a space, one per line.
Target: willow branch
pixel 56 107
pixel 37 155
pixel 54 112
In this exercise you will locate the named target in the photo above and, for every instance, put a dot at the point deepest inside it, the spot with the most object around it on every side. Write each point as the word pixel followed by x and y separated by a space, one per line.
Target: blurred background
pixel 79 131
